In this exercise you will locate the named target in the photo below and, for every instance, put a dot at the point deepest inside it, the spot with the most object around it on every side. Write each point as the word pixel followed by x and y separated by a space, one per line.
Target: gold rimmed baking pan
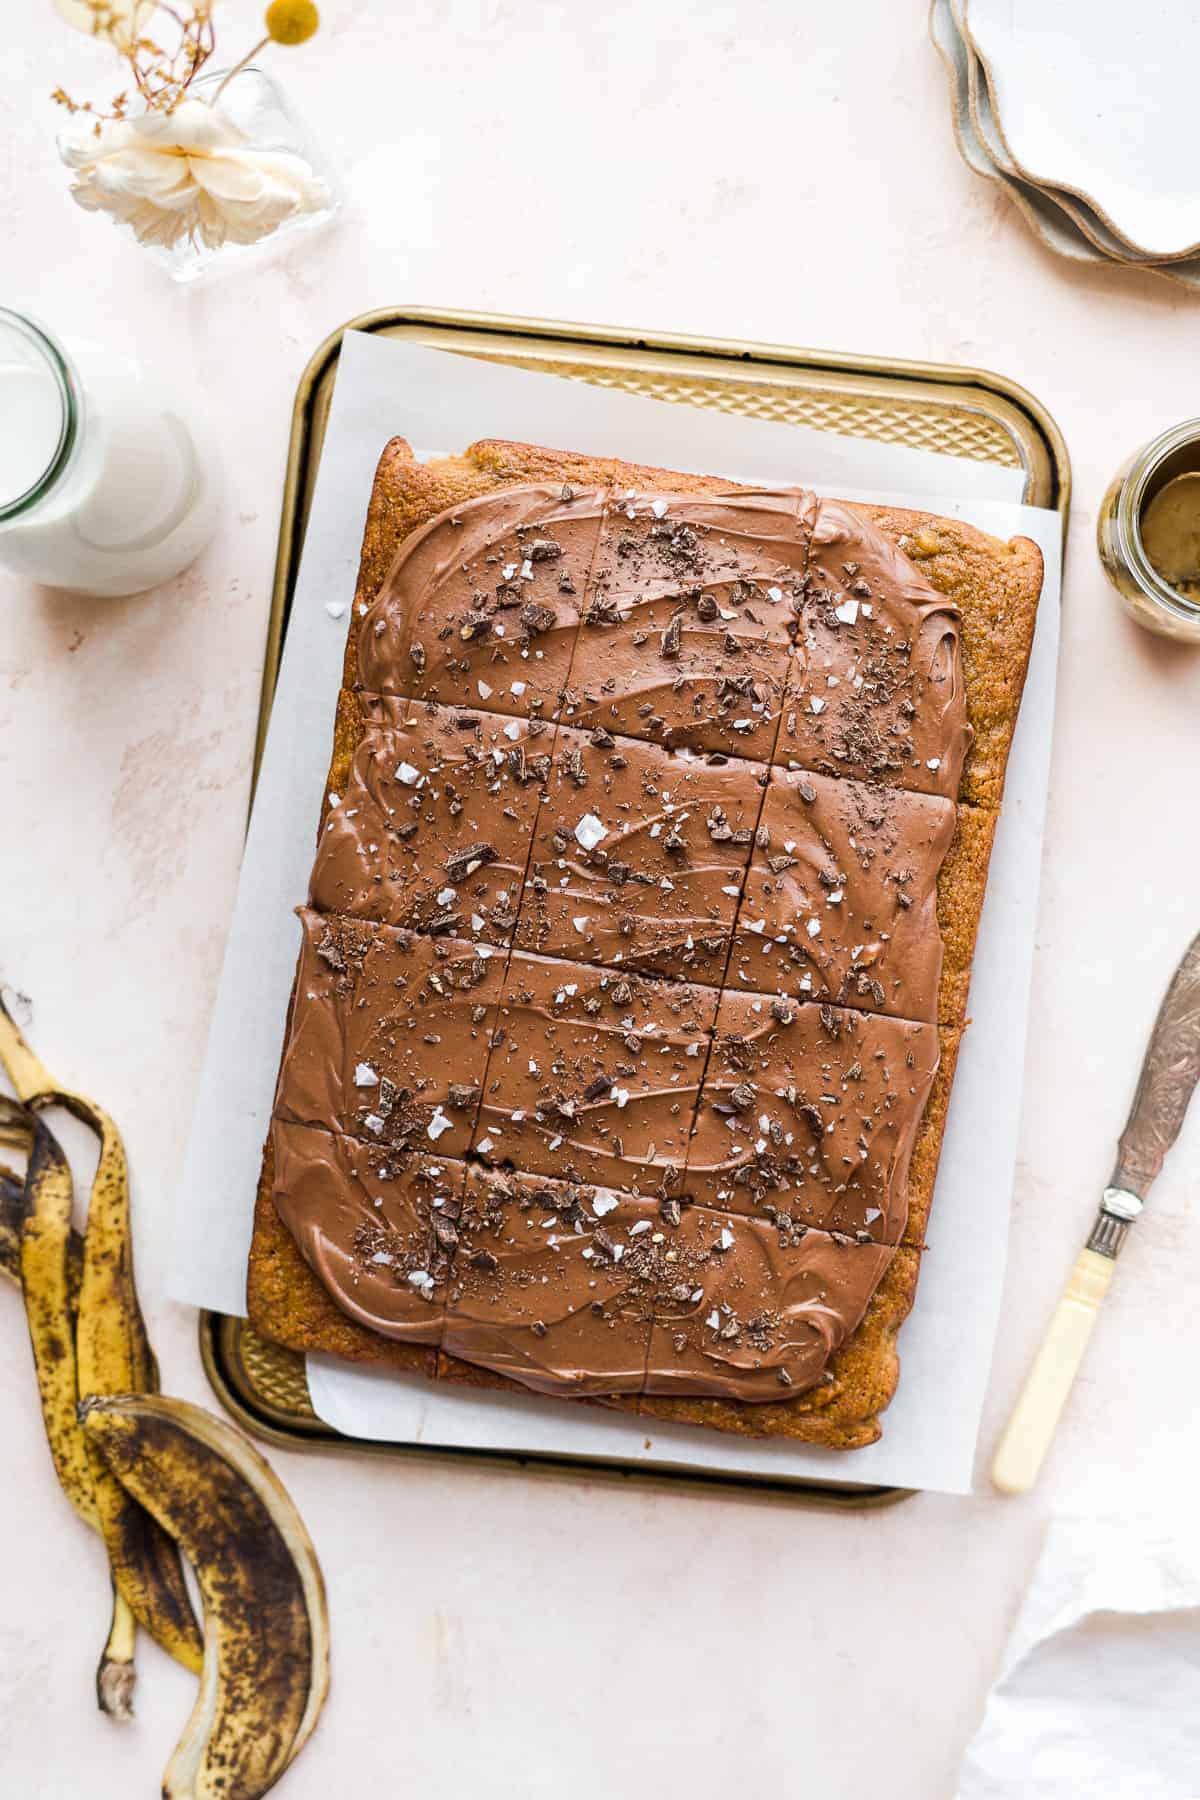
pixel 927 406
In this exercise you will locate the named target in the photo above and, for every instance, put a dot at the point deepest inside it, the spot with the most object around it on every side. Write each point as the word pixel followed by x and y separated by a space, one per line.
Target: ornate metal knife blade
pixel 1170 1073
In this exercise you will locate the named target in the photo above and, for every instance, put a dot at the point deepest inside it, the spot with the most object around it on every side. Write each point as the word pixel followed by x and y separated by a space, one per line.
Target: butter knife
pixel 1170 1072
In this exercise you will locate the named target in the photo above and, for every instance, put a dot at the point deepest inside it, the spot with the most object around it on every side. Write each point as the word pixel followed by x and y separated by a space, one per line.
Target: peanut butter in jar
pixel 1149 533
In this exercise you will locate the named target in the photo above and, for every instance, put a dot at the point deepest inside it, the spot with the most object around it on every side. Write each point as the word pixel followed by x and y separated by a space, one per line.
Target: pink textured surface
pixel 497 159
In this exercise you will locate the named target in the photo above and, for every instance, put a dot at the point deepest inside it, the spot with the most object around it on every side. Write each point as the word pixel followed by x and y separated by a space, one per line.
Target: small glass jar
pixel 107 485
pixel 1151 600
pixel 261 110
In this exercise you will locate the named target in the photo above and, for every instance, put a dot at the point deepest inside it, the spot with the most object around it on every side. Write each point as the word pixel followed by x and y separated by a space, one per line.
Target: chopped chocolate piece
pixel 573 766
pixel 537 619
pixel 465 862
pixel 329 952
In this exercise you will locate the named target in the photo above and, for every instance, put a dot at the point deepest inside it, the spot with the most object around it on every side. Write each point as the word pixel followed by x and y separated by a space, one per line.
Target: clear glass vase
pixel 255 103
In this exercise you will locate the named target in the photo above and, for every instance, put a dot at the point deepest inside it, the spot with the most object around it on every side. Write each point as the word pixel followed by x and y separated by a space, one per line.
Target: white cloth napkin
pixel 1099 1693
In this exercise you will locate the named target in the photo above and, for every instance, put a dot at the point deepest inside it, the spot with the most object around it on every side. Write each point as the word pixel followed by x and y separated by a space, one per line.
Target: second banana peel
pixel 154 1475
pixel 262 1689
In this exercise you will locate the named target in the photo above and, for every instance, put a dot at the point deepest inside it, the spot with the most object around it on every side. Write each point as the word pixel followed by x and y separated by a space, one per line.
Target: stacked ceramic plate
pixel 1082 110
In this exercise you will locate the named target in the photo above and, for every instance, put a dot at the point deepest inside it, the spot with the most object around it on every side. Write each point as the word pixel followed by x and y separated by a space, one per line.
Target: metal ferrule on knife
pixel 1118 1209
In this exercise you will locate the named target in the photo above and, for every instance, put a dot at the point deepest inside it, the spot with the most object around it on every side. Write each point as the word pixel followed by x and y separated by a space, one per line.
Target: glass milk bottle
pixel 106 488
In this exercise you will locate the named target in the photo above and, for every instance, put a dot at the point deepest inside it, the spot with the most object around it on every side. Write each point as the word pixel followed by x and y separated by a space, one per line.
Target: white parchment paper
pixel 437 399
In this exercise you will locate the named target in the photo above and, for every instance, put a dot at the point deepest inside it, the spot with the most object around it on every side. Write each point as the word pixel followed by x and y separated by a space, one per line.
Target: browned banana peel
pixel 112 1354
pixel 16 1133
pixel 266 1630
pixel 12 1211
pixel 44 1254
pixel 45 1279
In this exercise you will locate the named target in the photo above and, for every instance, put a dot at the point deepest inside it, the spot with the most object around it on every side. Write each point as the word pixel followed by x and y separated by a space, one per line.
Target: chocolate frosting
pixel 689 618
pixel 632 883
pixel 659 891
pixel 567 1288
pixel 876 689
pixel 540 1291
pixel 482 603
pixel 841 899
pixel 594 1074
pixel 389 1034
pixel 364 1221
pixel 811 1111
pixel 754 1312
pixel 432 831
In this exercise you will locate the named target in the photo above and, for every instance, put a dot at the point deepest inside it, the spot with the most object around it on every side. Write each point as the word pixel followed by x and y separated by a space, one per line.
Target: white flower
pixel 116 20
pixel 187 174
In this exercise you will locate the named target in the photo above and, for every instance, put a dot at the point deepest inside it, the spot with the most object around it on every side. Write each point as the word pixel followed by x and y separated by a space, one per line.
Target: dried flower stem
pixel 162 77
pixel 239 66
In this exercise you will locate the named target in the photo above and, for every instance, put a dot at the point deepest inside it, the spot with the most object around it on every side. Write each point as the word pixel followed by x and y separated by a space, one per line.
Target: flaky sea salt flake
pixel 589 831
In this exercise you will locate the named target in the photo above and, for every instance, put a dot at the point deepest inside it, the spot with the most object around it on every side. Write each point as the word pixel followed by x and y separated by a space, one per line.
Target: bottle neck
pixel 41 414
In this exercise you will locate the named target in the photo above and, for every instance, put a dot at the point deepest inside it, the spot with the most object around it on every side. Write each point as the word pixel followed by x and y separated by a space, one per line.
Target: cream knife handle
pixel 1027 1435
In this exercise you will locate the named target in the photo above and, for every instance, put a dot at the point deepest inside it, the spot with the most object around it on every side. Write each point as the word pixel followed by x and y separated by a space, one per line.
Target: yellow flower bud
pixel 292 21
